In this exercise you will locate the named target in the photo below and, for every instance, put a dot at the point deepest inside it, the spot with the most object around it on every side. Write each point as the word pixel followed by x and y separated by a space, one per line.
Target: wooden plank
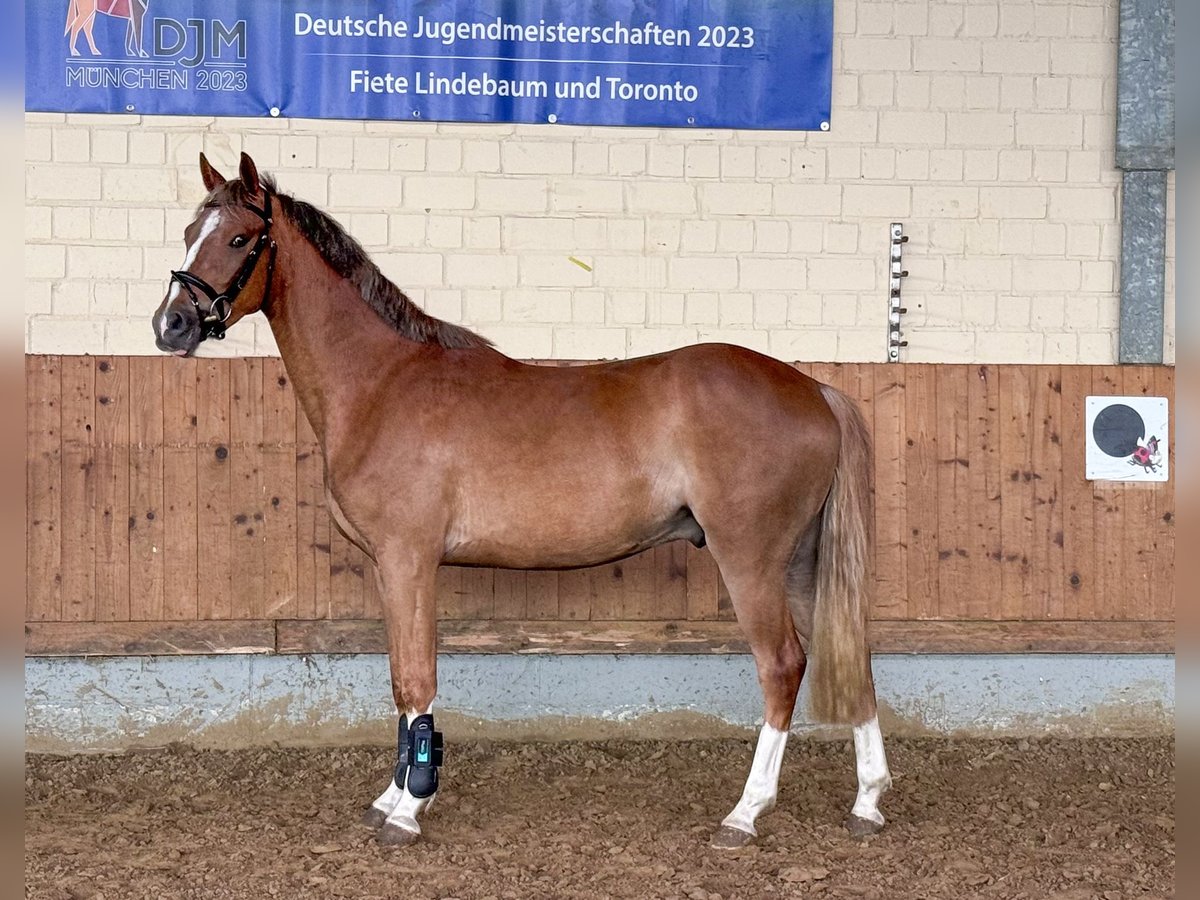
pixel 148 638
pixel 577 592
pixel 891 543
pixel 669 591
pixel 1023 637
pixel 78 495
pixel 312 526
pixel 1162 582
pixel 450 591
pixel 510 590
pixel 278 480
pixel 983 492
pixel 541 595
pixel 479 593
pixel 247 512
pixel 146 525
pixel 702 578
pixel 1046 598
pixel 635 597
pixel 920 479
pixel 111 466
pixel 214 490
pixel 1138 544
pixel 1079 547
pixel 605 591
pixel 1016 490
pixel 571 638
pixel 953 497
pixel 181 491
pixel 1108 521
pixel 557 637
pixel 43 488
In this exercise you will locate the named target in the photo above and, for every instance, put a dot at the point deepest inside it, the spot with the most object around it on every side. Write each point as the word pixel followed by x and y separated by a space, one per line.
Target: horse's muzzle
pixel 177 331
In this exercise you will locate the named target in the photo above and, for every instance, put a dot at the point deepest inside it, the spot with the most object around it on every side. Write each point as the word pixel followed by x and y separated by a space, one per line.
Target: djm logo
pixel 207 39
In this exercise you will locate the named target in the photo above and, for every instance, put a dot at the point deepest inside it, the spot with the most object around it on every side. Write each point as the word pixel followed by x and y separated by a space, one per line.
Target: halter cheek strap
pixel 220 303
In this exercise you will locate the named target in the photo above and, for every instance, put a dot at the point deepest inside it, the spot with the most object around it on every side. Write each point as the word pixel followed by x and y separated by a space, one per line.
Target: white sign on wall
pixel 1126 438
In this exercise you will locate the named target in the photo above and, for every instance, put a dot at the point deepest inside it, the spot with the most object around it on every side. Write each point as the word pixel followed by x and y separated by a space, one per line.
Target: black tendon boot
pixel 421 754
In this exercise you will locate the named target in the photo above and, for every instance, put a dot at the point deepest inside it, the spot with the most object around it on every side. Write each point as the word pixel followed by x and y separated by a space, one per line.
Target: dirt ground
pixel 1039 819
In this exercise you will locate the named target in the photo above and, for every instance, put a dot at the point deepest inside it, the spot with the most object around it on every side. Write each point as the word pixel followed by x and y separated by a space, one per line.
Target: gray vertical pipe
pixel 1146 152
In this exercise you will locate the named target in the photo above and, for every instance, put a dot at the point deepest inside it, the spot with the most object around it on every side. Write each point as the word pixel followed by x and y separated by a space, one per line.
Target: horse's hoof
pixel 394 836
pixel 373 818
pixel 860 827
pixel 729 838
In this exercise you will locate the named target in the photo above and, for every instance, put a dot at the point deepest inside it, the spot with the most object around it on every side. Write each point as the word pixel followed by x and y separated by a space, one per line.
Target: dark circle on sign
pixel 1117 429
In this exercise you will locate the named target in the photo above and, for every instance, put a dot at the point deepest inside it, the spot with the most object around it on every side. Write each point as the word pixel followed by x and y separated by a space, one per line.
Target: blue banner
pixel 679 63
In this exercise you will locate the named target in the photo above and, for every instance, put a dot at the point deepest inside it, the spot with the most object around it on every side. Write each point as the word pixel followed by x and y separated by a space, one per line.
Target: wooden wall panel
pixel 1079 536
pixel 111 467
pixel 213 475
pixel 77 548
pixel 982 498
pixel 191 491
pixel 146 520
pixel 43 488
pixel 182 549
pixel 1162 521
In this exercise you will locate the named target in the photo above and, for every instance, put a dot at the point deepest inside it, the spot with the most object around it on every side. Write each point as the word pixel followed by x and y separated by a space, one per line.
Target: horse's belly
pixel 583 541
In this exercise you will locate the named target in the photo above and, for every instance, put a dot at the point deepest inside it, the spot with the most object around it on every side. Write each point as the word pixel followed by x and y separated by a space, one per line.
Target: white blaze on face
pixel 208 227
pixel 763 784
pixel 405 809
pixel 873 775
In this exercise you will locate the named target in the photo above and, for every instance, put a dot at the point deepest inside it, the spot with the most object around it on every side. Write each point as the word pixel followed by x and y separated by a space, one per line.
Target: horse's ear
pixel 212 178
pixel 249 173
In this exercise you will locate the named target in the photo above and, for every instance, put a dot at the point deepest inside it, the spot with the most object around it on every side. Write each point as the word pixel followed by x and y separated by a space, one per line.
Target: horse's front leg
pixel 409 599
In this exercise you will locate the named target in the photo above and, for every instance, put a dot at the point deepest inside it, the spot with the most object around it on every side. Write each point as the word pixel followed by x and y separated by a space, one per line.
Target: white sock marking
pixel 387 801
pixel 873 775
pixel 762 785
pixel 407 807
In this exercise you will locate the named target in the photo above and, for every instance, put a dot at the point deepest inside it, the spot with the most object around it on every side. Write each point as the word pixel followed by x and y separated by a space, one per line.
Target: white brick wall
pixel 986 127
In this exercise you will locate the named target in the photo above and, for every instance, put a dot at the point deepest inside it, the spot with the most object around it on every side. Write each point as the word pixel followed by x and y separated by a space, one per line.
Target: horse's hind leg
pixel 760 602
pixel 410 615
pixel 873 776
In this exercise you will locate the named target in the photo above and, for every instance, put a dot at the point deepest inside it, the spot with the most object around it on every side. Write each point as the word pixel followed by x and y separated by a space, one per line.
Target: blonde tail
pixel 841 686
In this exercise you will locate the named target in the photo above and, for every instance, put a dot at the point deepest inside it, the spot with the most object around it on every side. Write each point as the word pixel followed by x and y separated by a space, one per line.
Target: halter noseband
pixel 220 307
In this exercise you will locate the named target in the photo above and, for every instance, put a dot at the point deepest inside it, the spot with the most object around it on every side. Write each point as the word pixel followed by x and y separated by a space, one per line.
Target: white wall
pixel 987 128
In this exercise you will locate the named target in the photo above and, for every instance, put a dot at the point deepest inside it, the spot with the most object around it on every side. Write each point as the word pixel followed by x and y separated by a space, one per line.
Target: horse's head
pixel 223 276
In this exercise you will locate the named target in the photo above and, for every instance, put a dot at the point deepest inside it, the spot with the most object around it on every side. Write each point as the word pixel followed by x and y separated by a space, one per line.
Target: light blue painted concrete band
pixel 116 702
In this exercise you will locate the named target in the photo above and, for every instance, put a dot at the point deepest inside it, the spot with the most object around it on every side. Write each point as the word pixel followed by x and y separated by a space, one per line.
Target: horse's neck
pixel 331 341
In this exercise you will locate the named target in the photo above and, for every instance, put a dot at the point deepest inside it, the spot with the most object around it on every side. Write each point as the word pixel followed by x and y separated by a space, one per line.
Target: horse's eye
pixel 238 241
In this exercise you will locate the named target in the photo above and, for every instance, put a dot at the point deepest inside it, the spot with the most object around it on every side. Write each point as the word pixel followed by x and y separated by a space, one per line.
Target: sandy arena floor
pixel 1042 819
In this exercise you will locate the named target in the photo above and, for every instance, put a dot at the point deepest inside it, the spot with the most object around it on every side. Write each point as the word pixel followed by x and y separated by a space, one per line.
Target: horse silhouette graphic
pixel 81 16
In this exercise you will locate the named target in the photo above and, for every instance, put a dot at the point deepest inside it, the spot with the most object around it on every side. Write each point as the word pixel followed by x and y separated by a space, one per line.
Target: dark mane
pixel 346 257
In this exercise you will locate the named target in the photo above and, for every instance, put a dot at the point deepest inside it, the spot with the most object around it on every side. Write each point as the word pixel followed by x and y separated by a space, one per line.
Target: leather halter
pixel 220 306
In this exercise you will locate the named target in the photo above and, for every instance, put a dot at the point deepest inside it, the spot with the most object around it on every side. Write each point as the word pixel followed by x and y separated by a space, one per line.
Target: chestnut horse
pixel 439 449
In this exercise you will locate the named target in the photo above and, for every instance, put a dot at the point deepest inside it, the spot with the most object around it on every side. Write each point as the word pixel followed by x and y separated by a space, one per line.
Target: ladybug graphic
pixel 1147 455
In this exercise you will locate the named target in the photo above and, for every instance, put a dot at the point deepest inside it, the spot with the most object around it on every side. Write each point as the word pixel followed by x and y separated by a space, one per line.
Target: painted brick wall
pixel 987 128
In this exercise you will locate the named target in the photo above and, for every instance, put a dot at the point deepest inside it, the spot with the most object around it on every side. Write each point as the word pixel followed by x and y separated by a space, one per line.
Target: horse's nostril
pixel 176 323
